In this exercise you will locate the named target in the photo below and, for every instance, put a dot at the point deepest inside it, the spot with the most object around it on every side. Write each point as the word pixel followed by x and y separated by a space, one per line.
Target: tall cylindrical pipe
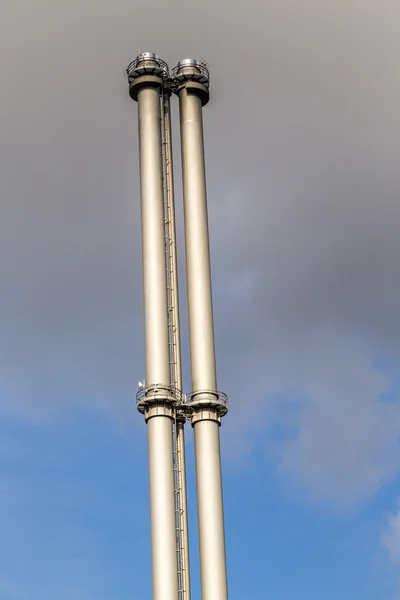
pixel 210 511
pixel 145 77
pixel 153 238
pixel 191 78
pixel 201 323
pixel 162 509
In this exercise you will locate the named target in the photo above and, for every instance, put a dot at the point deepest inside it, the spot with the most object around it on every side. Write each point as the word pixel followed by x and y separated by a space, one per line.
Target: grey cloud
pixel 302 150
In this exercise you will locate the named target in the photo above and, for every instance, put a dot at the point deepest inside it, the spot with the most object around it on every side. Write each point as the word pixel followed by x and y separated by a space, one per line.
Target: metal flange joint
pixel 158 400
pixel 206 405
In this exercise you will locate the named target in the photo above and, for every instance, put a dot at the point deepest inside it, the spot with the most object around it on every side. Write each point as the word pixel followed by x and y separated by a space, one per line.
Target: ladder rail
pixel 182 500
pixel 176 374
pixel 181 517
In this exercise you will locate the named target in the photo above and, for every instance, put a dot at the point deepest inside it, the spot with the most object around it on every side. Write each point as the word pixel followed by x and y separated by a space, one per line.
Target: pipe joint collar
pixel 158 409
pixel 195 88
pixel 135 85
pixel 158 399
pixel 206 405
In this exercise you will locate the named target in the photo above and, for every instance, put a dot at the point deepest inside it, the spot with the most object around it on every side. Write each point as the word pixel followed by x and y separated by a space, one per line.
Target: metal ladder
pixel 181 520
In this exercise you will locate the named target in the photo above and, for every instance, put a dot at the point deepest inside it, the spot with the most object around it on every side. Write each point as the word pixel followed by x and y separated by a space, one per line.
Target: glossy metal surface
pixel 202 351
pixel 198 272
pixel 162 509
pixel 145 64
pixel 162 495
pixel 190 69
pixel 153 240
pixel 210 511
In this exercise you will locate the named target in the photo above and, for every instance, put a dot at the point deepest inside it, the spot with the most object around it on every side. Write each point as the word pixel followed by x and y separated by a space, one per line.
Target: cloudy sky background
pixel 303 146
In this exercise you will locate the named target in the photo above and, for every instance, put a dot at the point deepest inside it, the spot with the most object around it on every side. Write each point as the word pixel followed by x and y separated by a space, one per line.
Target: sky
pixel 302 144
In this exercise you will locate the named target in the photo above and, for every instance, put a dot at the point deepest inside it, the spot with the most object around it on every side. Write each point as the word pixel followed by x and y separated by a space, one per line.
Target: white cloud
pixel 391 537
pixel 345 444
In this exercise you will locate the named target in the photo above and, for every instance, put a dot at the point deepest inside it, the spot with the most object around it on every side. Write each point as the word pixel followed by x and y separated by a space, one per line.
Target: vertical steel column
pixel 153 238
pixel 204 398
pixel 146 89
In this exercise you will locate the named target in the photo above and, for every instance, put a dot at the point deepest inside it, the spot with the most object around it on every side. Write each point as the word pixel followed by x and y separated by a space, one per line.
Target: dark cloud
pixel 302 151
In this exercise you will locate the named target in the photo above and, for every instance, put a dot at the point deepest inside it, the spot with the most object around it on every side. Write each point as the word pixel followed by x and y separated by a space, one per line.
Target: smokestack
pixel 207 405
pixel 146 75
pixel 161 401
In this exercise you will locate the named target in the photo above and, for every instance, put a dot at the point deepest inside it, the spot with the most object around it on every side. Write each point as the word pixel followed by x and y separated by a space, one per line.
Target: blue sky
pixel 75 522
pixel 302 146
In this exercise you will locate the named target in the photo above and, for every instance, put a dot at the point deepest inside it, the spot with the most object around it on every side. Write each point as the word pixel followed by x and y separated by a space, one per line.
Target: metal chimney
pixel 161 401
pixel 192 82
pixel 146 75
